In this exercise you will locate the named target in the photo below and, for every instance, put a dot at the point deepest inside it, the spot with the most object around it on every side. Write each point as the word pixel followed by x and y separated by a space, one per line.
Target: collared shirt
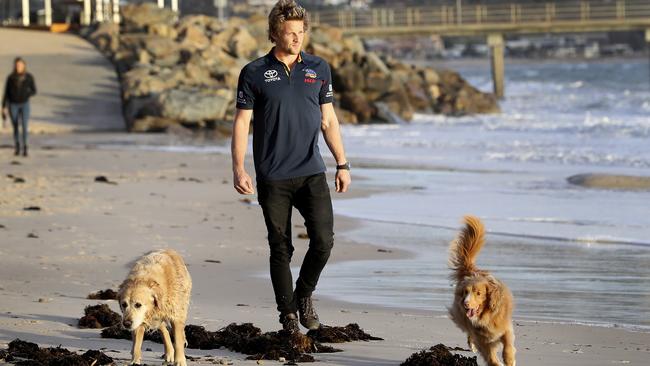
pixel 286 114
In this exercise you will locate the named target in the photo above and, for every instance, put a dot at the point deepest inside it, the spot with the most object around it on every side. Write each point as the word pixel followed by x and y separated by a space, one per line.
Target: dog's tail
pixel 464 249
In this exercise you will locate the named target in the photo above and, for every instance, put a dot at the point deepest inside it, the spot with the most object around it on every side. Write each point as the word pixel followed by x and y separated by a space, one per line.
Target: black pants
pixel 311 196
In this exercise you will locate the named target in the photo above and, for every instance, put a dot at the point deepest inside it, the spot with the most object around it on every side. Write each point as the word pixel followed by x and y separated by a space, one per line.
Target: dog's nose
pixel 127 323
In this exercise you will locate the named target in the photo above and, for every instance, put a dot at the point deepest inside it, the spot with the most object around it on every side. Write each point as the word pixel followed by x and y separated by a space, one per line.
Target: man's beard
pixel 288 49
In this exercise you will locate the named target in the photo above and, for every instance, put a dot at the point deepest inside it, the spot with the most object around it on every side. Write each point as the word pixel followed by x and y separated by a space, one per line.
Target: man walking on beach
pixel 289 94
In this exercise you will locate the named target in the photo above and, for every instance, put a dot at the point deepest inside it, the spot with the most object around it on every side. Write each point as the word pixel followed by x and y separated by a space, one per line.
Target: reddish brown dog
pixel 482 305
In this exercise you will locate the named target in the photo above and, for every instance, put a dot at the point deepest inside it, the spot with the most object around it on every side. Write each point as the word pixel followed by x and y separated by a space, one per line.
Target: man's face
pixel 290 37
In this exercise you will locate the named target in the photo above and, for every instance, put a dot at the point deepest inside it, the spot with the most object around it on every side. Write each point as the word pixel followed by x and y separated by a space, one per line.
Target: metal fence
pixel 487 14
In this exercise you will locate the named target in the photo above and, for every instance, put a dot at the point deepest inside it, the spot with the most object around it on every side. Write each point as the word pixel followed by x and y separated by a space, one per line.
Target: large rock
pixel 348 77
pixel 163 30
pixel 194 38
pixel 457 97
pixel 209 24
pixel 398 102
pixel 242 44
pixel 194 106
pixel 357 103
pixel 327 54
pixel 138 108
pixel 345 117
pixel 143 81
pixel 611 181
pixel 106 38
pixel 152 124
pixel 137 17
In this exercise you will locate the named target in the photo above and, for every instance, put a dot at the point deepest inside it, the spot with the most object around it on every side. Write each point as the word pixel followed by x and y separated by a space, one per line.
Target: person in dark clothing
pixel 288 93
pixel 19 87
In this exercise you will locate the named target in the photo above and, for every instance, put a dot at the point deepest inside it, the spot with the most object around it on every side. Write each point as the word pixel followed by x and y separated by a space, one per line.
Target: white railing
pixel 487 14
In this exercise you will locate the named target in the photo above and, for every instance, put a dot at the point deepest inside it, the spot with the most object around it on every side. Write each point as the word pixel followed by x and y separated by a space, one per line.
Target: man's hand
pixel 243 182
pixel 342 180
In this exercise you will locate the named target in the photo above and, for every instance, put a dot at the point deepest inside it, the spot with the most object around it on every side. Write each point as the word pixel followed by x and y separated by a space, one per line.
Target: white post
pixel 161 3
pixel 99 11
pixel 26 13
pixel 87 13
pixel 221 5
pixel 48 12
pixel 116 11
pixel 175 5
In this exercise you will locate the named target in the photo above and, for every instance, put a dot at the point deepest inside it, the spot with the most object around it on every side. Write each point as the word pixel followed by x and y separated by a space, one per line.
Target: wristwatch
pixel 345 166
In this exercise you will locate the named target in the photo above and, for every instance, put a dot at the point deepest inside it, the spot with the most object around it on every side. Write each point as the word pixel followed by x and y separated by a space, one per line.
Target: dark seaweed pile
pixel 30 354
pixel 349 333
pixel 107 294
pixel 99 316
pixel 248 339
pixel 438 355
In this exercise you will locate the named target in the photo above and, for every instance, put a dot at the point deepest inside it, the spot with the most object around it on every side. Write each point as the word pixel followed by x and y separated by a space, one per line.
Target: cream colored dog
pixel 157 293
pixel 482 305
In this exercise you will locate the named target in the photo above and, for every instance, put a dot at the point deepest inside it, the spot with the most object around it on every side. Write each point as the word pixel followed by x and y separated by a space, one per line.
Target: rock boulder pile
pixel 185 71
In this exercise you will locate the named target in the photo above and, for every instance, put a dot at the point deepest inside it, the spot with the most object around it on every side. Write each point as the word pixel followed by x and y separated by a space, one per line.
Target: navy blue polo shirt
pixel 286 114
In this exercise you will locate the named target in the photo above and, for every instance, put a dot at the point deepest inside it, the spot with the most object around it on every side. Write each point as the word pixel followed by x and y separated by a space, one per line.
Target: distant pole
pixel 459 11
pixel 116 11
pixel 495 41
pixel 87 13
pixel 48 12
pixel 221 7
pixel 99 11
pixel 647 40
pixel 161 3
pixel 26 13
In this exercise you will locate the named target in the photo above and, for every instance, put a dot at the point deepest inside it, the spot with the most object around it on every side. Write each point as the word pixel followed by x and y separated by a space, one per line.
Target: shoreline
pixel 88 231
pixel 402 253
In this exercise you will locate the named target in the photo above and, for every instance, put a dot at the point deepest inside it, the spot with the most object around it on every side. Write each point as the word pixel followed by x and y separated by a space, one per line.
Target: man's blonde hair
pixel 286 10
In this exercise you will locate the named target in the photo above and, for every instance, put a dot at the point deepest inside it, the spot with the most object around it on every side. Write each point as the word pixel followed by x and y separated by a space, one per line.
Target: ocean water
pixel 569 254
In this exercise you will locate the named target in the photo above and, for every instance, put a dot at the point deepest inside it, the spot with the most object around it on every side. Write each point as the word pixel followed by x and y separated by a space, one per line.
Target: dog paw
pixel 181 362
pixel 473 347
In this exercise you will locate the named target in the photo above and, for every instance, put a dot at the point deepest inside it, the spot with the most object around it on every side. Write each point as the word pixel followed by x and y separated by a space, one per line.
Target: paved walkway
pixel 77 87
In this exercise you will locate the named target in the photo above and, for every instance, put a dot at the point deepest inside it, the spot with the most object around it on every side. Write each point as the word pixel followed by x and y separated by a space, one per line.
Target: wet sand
pixel 87 232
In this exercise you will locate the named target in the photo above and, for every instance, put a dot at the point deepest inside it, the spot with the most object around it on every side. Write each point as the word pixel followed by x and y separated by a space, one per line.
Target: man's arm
pixel 241 180
pixel 332 135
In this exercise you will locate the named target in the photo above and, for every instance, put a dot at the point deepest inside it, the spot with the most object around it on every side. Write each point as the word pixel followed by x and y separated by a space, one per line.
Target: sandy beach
pixel 86 233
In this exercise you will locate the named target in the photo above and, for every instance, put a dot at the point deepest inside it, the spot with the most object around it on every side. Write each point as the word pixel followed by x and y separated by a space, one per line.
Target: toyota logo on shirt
pixel 271 75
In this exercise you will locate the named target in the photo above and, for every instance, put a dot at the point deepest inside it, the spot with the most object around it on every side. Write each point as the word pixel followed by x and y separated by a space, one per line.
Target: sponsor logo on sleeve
pixel 271 75
pixel 240 98
pixel 330 92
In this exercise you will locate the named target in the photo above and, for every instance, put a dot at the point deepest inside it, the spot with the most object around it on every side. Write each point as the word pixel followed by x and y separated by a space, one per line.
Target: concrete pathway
pixel 77 87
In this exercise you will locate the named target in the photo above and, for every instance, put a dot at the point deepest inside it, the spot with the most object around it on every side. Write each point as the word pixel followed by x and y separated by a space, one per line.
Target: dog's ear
pixel 157 293
pixel 122 289
pixel 495 294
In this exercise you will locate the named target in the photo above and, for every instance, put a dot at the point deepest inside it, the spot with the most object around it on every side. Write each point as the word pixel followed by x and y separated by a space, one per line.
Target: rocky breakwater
pixel 185 71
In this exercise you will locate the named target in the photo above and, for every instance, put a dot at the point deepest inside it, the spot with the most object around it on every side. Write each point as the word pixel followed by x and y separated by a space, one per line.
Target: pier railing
pixel 454 18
